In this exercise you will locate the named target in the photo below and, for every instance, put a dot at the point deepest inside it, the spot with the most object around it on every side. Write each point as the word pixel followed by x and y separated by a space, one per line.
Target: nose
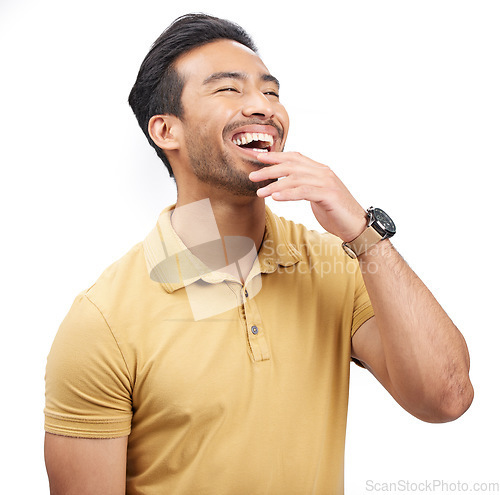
pixel 257 104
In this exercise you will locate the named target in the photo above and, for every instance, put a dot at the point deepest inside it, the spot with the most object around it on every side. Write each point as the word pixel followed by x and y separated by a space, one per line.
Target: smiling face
pixel 231 114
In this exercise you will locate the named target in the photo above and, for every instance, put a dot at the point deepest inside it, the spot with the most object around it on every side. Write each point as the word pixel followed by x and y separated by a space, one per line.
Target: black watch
pixel 380 226
pixel 381 222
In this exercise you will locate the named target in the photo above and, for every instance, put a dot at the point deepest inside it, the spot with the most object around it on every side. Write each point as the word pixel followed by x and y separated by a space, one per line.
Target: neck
pixel 241 219
pixel 212 220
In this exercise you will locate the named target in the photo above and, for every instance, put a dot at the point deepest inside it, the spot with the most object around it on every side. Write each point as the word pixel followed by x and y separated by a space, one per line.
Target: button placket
pixel 255 331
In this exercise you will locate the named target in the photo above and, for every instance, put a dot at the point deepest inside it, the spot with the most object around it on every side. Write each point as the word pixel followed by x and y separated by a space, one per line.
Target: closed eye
pixel 226 89
pixel 272 93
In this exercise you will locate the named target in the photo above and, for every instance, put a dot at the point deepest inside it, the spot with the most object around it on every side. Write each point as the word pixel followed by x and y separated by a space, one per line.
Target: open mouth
pixel 255 141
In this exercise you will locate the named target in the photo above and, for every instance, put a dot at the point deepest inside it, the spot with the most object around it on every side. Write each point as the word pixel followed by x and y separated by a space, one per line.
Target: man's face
pixel 229 97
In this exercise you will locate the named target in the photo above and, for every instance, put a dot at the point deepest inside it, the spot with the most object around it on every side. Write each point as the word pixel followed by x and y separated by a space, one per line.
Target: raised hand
pixel 302 178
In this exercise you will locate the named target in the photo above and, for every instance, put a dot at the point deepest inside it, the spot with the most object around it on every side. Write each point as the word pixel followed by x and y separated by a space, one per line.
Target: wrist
pixel 357 230
pixel 380 227
pixel 382 248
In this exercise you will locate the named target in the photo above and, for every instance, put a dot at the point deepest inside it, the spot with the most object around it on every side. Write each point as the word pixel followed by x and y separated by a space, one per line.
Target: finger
pixel 303 192
pixel 290 182
pixel 274 157
pixel 286 169
pixel 271 172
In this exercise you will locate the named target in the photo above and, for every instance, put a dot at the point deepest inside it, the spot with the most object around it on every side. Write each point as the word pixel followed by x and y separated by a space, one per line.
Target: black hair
pixel 158 87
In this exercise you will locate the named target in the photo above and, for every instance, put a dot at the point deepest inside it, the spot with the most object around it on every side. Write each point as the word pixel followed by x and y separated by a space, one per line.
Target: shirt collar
pixel 170 263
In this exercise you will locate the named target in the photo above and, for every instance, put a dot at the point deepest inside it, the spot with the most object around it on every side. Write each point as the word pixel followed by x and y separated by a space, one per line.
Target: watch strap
pixel 368 238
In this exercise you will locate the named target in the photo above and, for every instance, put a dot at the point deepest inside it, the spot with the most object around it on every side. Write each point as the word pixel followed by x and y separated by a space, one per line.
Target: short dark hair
pixel 158 87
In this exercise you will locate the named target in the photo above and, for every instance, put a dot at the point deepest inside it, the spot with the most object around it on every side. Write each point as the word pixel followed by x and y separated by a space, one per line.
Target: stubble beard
pixel 217 168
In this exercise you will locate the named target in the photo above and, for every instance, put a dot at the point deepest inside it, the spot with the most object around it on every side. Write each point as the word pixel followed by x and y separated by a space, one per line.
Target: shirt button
pixel 246 293
pixel 255 330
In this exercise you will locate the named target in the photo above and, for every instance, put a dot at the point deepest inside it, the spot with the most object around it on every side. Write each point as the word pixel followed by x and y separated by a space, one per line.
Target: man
pixel 214 357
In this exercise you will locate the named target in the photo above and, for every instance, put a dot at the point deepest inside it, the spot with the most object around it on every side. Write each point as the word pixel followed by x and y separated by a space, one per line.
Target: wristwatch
pixel 380 226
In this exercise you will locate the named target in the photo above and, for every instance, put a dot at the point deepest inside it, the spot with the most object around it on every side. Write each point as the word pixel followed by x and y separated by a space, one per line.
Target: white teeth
pixel 248 137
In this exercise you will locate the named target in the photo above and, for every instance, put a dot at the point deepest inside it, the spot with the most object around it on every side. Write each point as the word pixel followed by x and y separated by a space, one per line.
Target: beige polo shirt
pixel 222 387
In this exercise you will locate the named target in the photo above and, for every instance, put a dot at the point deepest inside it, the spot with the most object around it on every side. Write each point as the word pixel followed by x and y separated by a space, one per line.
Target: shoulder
pixel 320 255
pixel 308 242
pixel 123 281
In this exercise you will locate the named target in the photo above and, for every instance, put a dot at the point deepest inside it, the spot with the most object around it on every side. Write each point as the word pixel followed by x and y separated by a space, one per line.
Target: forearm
pixel 426 356
pixel 420 356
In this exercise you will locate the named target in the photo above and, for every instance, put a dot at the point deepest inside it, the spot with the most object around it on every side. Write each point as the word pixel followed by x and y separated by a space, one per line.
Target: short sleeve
pixel 363 309
pixel 88 388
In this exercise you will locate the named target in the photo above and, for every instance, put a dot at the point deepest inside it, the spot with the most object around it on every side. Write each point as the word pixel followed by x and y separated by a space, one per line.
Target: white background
pixel 400 98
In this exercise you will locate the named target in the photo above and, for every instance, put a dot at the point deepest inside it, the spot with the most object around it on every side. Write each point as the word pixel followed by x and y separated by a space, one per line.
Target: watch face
pixel 384 221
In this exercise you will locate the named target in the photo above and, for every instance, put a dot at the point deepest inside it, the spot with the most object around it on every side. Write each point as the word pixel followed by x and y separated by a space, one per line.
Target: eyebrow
pixel 217 76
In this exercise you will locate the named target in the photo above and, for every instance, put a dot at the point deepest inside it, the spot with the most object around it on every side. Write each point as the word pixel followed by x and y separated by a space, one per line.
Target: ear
pixel 165 131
